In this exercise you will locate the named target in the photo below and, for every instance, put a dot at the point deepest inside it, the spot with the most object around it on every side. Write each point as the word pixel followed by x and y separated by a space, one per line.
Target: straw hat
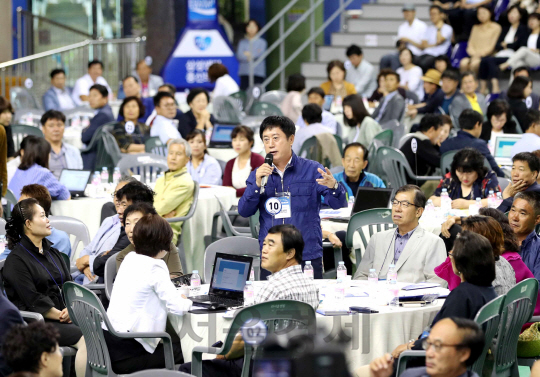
pixel 433 76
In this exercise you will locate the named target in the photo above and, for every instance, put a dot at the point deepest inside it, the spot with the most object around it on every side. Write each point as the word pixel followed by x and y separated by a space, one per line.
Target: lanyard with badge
pixel 279 206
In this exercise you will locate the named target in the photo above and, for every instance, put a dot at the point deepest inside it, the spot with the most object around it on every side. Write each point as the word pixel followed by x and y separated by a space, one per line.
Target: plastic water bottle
pixel 308 270
pixel 248 293
pixel 341 271
pixel 492 200
pixel 2 244
pixel 391 274
pixel 339 294
pixel 105 176
pixel 96 182
pixel 373 281
pixel 430 209
pixel 446 203
pixel 252 275
pixel 116 175
pixel 474 209
pixel 393 294
pixel 76 122
pixel 499 199
pixel 195 283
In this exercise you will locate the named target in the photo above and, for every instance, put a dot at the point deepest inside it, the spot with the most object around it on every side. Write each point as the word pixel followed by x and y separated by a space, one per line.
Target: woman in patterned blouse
pixel 467 180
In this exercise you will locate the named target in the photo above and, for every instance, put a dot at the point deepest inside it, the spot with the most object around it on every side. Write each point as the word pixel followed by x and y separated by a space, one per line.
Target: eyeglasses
pixel 403 203
pixel 437 346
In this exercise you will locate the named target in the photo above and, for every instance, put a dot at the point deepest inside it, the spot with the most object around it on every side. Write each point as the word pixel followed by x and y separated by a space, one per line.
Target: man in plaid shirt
pixel 281 255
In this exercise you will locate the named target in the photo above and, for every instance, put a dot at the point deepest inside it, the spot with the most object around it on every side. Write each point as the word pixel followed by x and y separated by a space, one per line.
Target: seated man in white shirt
pixel 360 72
pixel 83 84
pixel 312 115
pixel 316 96
pixel 282 256
pixel 530 141
pixel 63 155
pixel 163 125
pixel 437 39
pixel 414 251
pixel 58 96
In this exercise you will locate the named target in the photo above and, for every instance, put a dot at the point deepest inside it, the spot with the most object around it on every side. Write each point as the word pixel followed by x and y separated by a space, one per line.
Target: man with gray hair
pixel 174 190
pixel 523 217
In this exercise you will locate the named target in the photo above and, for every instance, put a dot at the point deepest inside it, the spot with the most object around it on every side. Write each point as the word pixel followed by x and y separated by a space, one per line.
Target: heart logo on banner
pixel 203 43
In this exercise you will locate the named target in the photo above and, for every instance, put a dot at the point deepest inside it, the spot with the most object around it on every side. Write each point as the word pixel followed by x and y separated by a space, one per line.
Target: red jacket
pixel 255 161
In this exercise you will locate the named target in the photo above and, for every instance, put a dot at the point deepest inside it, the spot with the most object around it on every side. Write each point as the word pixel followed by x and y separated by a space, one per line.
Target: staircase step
pixel 328 53
pixel 415 2
pixel 314 81
pixel 392 11
pixel 381 25
pixel 364 39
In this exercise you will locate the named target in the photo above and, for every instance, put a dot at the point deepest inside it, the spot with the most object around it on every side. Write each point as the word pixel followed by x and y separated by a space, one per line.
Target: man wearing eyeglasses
pixel 163 125
pixel 452 346
pixel 414 251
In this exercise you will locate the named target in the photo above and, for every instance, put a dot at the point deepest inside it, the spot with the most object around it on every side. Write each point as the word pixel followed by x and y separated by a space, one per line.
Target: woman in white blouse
pixel 225 84
pixel 238 169
pixel 142 297
pixel 410 74
pixel 202 167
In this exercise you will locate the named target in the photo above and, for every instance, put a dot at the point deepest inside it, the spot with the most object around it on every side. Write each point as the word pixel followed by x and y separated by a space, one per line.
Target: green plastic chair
pixel 226 110
pixel 264 109
pixel 488 317
pixel 396 167
pixel 518 308
pixel 312 150
pixel 155 146
pixel 19 131
pixel 279 312
pixel 87 312
pixel 376 219
pixel 386 137
pixel 254 225
pixel 448 157
pixel 11 201
pixel 241 98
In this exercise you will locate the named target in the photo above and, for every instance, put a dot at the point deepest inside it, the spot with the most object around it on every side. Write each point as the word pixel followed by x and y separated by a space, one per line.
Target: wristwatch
pixel 336 185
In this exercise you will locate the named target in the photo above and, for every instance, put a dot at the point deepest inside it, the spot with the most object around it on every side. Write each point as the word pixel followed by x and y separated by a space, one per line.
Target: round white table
pixel 372 335
pixel 200 224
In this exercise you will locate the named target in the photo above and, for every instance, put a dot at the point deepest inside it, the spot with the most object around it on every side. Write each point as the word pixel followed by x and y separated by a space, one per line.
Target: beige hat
pixel 433 76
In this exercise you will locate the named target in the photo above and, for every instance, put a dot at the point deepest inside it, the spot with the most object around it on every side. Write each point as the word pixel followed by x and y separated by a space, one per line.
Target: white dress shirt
pixel 66 102
pixel 165 129
pixel 415 32
pixel 413 79
pixel 225 86
pixel 142 296
pixel 431 38
pixel 83 85
pixel 328 120
pixel 362 77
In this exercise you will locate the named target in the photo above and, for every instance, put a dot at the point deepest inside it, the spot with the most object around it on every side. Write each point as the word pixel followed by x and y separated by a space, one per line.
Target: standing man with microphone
pixel 287 189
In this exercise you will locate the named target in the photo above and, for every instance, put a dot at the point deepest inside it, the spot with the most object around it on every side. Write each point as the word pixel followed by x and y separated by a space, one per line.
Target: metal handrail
pixel 52 22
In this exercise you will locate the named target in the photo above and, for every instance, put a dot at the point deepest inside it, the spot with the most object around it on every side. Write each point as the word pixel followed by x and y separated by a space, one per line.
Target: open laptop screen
pixel 222 133
pixel 370 197
pixel 504 144
pixel 231 275
pixel 75 180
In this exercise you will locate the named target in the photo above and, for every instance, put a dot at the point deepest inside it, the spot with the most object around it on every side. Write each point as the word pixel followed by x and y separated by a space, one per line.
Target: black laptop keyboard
pixel 218 299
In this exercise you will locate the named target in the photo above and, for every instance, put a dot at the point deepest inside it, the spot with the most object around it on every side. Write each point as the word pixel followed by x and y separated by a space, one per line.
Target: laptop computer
pixel 221 135
pixel 503 148
pixel 75 181
pixel 229 277
pixel 369 198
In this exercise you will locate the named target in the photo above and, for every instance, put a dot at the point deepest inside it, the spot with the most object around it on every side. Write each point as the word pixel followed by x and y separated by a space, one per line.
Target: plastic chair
pixel 111 148
pixel 488 317
pixel 448 157
pixel 396 167
pixel 147 165
pixel 160 373
pixel 155 146
pixel 519 129
pixel 254 225
pixel 240 98
pixel 28 116
pixel 2 227
pixel 246 246
pixel 273 96
pixel 385 137
pixel 110 275
pixel 20 131
pixel 183 219
pixel 398 130
pixel 373 164
pixel 231 230
pixel 404 139
pixel 86 311
pixel 226 110
pixel 503 182
pixel 312 150
pixel 106 155
pixel 20 97
pixel 518 308
pixel 265 109
pixel 11 201
pixel 72 226
pixel 282 311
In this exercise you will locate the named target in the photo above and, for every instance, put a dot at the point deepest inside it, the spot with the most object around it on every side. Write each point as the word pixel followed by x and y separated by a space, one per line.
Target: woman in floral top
pixel 467 180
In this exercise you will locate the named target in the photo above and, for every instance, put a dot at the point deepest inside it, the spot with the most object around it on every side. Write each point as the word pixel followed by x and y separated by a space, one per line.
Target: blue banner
pixel 202 11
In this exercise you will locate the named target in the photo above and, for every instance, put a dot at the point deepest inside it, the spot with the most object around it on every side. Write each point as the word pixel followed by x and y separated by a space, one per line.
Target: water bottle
pixel 105 176
pixel 430 209
pixel 446 203
pixel 341 271
pixel 116 175
pixel 499 199
pixel 195 283
pixel 339 294
pixel 308 270
pixel 373 281
pixel 76 122
pixel 248 293
pixel 252 275
pixel 392 274
pixel 2 244
pixel 393 294
pixel 474 209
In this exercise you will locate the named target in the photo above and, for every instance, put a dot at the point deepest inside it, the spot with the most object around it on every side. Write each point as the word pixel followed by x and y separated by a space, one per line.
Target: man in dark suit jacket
pixel 428 157
pixel 392 105
pixel 10 317
pixel 471 129
pixel 98 99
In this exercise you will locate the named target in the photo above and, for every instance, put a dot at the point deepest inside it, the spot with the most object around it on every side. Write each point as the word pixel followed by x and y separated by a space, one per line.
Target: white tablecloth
pixel 200 224
pixel 372 335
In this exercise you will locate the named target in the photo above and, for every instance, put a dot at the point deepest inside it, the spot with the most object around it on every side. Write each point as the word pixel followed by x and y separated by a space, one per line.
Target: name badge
pixel 285 200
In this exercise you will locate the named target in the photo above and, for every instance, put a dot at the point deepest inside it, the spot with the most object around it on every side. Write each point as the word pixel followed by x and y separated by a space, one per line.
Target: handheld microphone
pixel 269 159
